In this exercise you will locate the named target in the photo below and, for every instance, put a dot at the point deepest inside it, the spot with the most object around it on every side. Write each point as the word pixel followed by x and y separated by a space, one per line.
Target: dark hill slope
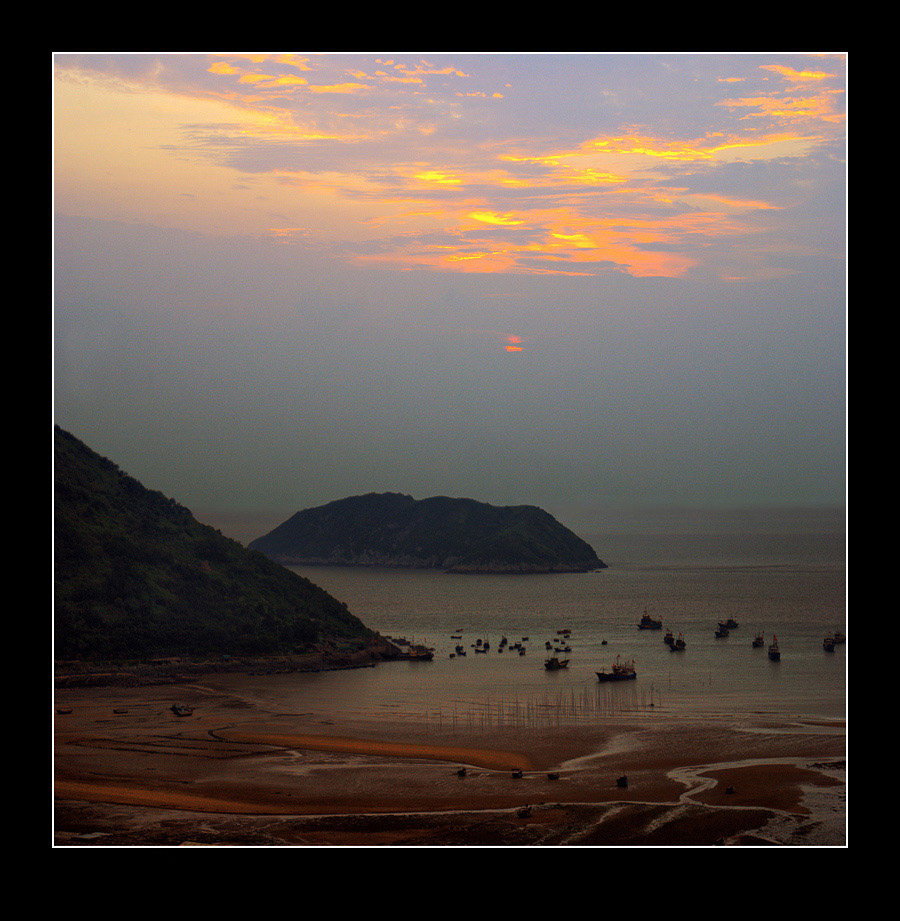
pixel 137 576
pixel 457 535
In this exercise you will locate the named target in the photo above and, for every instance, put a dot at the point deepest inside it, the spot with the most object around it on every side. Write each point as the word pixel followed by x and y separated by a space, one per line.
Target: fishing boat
pixel 721 631
pixel 828 644
pixel 669 639
pixel 774 651
pixel 620 671
pixel 554 664
pixel 648 623
pixel 839 638
pixel 759 642
pixel 678 645
pixel 731 623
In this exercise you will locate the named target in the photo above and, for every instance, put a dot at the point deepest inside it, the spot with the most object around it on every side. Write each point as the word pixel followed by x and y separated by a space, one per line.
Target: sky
pixel 612 279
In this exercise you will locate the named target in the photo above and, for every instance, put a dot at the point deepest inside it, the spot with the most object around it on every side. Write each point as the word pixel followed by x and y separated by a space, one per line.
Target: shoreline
pixel 129 771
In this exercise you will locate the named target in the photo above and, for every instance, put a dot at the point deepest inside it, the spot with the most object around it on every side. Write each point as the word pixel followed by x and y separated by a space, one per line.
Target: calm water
pixel 773 571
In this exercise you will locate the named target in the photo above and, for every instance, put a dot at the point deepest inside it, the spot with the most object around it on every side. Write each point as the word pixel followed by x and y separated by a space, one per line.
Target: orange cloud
pixel 339 88
pixel 222 67
pixel 491 217
pixel 802 76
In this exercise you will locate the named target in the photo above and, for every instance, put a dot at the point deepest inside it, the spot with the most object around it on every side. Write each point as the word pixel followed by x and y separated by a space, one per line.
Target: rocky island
pixel 453 534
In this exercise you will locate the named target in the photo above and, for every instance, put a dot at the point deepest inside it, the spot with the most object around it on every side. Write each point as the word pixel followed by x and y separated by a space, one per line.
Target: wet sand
pixel 241 770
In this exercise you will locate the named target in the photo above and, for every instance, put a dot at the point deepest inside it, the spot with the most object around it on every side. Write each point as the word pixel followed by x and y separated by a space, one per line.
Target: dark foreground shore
pixel 240 770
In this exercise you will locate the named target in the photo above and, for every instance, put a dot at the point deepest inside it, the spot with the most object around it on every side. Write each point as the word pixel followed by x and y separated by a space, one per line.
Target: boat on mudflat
pixel 620 671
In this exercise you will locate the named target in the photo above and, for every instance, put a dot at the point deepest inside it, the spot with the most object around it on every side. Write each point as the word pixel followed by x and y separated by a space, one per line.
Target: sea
pixel 778 572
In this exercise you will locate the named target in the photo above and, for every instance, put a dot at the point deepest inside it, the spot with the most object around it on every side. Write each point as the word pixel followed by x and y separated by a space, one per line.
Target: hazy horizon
pixel 612 280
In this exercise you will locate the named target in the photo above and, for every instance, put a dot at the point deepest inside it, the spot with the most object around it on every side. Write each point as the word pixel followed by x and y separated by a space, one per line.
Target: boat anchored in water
pixel 554 664
pixel 721 631
pixel 678 645
pixel 774 651
pixel 759 642
pixel 620 671
pixel 828 644
pixel 669 639
pixel 648 623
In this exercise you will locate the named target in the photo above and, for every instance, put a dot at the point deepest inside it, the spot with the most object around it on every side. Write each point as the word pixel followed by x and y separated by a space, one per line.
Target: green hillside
pixel 136 576
pixel 456 535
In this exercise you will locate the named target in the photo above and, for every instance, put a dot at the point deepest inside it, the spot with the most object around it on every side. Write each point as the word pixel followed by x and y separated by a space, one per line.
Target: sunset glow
pixel 355 134
pixel 623 275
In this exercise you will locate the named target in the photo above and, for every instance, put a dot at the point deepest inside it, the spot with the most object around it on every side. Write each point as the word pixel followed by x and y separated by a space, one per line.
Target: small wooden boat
pixel 64 711
pixel 115 710
pixel 517 773
pixel 181 710
pixel 554 664
pixel 774 651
